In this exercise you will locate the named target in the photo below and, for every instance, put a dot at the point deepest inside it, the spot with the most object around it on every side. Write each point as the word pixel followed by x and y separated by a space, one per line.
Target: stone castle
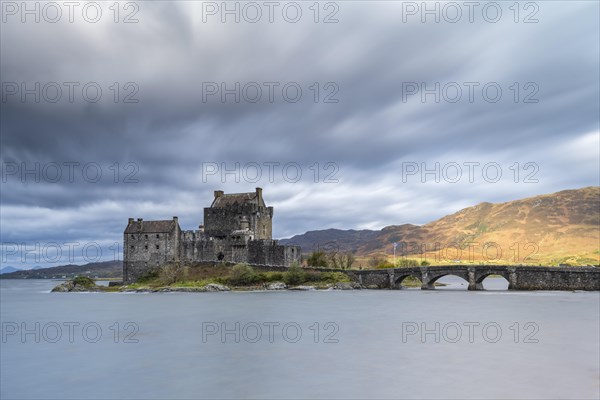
pixel 237 228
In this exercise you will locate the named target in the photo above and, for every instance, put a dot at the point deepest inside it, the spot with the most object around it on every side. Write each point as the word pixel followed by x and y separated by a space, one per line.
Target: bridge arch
pixel 433 278
pixel 479 278
pixel 398 279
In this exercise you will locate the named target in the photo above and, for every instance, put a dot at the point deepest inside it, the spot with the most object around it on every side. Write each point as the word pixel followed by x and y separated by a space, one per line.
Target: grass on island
pixel 84 281
pixel 240 276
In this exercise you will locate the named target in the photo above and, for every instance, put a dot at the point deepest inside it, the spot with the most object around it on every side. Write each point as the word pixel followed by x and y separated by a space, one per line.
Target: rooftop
pixel 224 200
pixel 160 226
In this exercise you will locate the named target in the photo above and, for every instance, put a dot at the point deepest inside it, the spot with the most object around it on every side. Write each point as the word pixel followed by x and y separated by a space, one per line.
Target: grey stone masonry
pixel 518 277
pixel 237 228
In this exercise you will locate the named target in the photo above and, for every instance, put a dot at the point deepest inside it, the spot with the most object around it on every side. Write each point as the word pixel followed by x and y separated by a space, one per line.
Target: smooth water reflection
pixel 353 344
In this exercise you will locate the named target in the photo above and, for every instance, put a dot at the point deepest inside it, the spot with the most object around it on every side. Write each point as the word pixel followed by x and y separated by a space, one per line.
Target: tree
pixel 376 261
pixel 317 259
pixel 341 260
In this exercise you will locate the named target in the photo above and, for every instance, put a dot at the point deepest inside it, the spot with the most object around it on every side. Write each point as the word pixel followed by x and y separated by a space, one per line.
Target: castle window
pixel 157 247
pixel 146 247
pixel 146 236
pixel 133 236
pixel 132 247
pixel 157 236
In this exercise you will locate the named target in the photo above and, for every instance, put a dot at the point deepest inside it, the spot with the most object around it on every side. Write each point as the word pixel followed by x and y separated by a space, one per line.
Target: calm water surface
pixel 336 344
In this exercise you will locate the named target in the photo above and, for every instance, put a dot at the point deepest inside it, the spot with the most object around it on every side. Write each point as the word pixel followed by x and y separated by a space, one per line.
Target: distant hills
pixel 8 269
pixel 558 228
pixel 107 269
pixel 551 229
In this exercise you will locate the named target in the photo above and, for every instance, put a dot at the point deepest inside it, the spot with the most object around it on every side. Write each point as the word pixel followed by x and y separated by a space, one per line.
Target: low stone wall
pixel 553 278
pixel 370 278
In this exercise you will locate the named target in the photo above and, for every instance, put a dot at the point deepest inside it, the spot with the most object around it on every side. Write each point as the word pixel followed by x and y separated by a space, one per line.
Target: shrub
pixel 83 281
pixel 149 276
pixel 274 276
pixel 171 273
pixel 334 277
pixel 312 276
pixel 260 277
pixel 425 263
pixel 242 274
pixel 386 264
pixel 294 275
pixel 408 262
pixel 317 259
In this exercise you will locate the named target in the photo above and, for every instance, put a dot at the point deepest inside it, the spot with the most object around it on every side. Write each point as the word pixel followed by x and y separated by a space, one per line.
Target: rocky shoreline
pixel 74 286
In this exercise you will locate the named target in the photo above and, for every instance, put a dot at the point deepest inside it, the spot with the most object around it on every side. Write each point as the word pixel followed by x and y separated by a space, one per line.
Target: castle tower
pixel 235 211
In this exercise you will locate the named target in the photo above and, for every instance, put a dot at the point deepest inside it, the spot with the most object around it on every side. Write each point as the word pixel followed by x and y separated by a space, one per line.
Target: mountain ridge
pixel 104 269
pixel 555 228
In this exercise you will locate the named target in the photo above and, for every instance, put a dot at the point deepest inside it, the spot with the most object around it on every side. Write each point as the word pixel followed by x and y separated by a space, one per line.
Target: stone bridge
pixel 518 277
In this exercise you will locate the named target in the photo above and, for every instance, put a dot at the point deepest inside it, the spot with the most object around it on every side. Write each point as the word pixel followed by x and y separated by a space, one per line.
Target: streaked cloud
pixel 374 130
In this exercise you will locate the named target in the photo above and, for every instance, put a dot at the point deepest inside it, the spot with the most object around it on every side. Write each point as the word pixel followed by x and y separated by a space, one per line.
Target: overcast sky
pixel 384 96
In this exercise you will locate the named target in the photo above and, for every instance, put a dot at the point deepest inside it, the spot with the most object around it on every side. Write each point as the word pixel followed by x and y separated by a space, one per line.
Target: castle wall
pixel 144 251
pixel 196 246
pixel 270 253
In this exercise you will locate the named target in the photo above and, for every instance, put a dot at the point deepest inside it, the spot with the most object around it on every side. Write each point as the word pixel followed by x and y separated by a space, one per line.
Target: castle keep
pixel 237 228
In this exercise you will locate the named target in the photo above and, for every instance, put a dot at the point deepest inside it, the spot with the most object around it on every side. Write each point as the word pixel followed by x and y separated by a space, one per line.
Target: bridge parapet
pixel 518 277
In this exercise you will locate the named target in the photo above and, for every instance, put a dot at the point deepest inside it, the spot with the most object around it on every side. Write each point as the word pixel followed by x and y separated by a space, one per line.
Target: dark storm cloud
pixel 368 134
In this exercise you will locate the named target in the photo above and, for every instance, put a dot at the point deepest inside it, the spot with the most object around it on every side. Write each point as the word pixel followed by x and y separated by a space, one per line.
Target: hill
pixel 558 228
pixel 106 269
pixel 8 269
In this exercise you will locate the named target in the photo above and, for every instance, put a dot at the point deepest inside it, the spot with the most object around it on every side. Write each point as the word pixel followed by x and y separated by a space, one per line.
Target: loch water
pixel 448 343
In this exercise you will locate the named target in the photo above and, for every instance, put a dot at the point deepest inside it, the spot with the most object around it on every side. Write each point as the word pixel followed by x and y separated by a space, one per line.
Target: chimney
pixel 259 195
pixel 130 221
pixel 140 223
pixel 218 193
pixel 176 219
pixel 201 228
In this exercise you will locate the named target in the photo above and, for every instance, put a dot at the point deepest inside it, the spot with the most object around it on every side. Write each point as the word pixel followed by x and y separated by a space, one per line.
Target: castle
pixel 237 228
